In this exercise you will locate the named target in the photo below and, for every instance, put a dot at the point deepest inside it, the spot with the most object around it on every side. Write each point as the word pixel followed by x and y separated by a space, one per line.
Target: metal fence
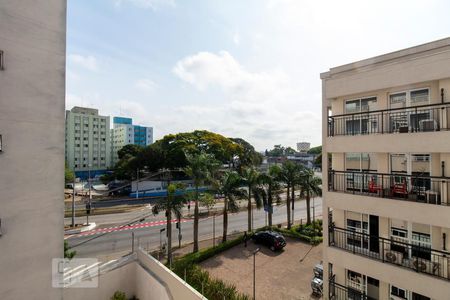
pixel 433 117
pixel 340 292
pixel 417 188
pixel 414 256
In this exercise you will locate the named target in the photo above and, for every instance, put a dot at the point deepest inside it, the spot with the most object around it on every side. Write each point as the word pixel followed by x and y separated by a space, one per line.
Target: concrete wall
pixel 32 93
pixel 177 288
pixel 146 278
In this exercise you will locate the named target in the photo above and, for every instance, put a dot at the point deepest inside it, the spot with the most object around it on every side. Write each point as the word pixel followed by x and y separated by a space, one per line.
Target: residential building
pixel 125 133
pixel 303 147
pixel 386 124
pixel 88 145
pixel 32 92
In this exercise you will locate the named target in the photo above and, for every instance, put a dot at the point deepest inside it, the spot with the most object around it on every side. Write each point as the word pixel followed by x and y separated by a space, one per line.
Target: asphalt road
pixel 119 242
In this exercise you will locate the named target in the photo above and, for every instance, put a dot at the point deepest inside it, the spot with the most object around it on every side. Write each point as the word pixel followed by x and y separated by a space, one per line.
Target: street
pixel 117 242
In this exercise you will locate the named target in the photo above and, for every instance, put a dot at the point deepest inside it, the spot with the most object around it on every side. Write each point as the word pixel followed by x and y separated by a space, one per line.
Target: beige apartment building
pixel 32 91
pixel 386 143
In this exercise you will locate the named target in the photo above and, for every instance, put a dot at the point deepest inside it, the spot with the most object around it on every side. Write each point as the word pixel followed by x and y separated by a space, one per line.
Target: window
pixel 360 105
pixel 398 98
pixel 419 95
pixel 398 292
pixel 1 60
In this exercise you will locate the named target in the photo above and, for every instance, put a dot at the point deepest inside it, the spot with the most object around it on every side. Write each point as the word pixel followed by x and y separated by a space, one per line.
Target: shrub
pixel 118 295
pixel 293 233
pixel 213 289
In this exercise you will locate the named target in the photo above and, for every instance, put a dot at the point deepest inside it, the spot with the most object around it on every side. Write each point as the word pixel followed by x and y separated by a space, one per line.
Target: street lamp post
pixel 73 201
pixel 160 241
pixel 137 183
pixel 214 229
pixel 88 210
pixel 254 273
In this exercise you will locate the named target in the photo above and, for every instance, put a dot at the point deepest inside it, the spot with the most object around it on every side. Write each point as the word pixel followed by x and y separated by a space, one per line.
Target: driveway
pixel 280 275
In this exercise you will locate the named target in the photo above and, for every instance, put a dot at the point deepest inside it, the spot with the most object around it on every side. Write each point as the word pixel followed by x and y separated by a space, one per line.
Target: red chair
pixel 400 189
pixel 373 187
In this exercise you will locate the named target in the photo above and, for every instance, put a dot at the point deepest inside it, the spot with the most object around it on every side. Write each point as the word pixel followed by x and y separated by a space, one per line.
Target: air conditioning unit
pixel 427 125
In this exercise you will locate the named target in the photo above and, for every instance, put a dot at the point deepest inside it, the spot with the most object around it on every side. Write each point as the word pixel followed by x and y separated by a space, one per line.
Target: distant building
pixel 303 147
pixel 125 133
pixel 88 145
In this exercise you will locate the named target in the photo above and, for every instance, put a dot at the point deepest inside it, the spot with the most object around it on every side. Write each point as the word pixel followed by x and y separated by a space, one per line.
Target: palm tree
pixel 171 203
pixel 269 189
pixel 200 168
pixel 310 185
pixel 229 187
pixel 289 175
pixel 251 179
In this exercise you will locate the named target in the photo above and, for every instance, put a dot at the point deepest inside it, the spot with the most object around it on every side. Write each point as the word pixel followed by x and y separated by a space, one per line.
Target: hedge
pixel 211 288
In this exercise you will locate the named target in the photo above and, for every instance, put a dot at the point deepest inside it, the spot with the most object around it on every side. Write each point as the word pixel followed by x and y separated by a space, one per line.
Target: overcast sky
pixel 240 68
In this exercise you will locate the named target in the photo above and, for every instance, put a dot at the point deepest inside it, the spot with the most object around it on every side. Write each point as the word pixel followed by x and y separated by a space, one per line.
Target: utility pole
pixel 160 242
pixel 73 201
pixel 179 229
pixel 254 273
pixel 214 229
pixel 89 182
pixel 137 183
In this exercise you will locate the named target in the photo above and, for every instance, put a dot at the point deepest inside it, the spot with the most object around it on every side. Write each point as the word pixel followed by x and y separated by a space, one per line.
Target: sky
pixel 241 68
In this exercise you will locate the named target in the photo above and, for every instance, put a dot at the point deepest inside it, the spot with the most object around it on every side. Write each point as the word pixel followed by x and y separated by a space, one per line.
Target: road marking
pixel 126 227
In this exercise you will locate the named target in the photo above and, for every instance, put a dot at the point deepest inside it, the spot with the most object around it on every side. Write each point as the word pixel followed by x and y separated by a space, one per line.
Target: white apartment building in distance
pixel 386 192
pixel 125 133
pixel 88 145
pixel 32 93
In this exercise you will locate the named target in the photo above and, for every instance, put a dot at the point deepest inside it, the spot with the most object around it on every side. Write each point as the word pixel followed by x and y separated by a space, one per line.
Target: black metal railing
pixel 417 188
pixel 414 256
pixel 432 117
pixel 340 292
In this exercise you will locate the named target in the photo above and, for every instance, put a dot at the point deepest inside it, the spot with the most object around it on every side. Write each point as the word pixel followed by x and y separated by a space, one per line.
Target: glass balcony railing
pixel 416 188
pixel 413 256
pixel 422 118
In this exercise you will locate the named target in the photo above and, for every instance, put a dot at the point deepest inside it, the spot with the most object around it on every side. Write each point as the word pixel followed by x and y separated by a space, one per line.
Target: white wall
pixel 32 92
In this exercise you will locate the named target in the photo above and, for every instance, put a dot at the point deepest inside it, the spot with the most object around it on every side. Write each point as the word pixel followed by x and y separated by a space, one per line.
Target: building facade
pixel 88 144
pixel 303 147
pixel 386 190
pixel 125 133
pixel 32 93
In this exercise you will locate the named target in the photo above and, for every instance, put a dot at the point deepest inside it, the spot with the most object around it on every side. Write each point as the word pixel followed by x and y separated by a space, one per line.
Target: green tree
pixel 130 150
pixel 315 150
pixel 173 202
pixel 251 179
pixel 310 186
pixel 201 168
pixel 67 253
pixel 270 189
pixel 289 175
pixel 69 175
pixel 229 187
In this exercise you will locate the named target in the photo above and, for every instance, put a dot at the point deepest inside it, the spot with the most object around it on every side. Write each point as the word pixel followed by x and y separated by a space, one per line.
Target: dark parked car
pixel 271 239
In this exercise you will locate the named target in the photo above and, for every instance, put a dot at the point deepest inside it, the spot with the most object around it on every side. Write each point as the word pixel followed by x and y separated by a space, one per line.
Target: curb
pixel 80 230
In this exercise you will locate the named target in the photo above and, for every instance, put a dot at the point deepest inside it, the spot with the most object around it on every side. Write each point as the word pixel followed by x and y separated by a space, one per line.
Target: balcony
pixel 341 292
pixel 422 118
pixel 415 257
pixel 423 189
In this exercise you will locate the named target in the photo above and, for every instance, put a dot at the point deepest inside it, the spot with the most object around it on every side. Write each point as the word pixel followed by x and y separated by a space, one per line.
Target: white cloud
pixel 236 38
pixel 89 62
pixel 147 4
pixel 145 84
pixel 262 107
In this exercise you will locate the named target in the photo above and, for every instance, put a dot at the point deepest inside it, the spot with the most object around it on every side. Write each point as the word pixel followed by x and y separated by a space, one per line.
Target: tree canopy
pixel 279 150
pixel 315 150
pixel 172 152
